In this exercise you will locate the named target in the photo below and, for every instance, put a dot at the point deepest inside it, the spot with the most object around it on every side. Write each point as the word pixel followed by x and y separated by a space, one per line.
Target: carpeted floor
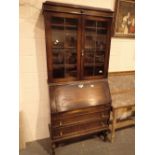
pixel 123 145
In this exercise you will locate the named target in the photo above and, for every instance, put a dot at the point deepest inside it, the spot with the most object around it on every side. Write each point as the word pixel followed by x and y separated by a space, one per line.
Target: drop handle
pixel 102 115
pixel 82 53
pixel 82 11
pixel 60 123
pixel 102 124
pixel 61 133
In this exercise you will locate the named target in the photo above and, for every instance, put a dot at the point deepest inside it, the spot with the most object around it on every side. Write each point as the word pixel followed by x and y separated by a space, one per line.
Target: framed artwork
pixel 124 22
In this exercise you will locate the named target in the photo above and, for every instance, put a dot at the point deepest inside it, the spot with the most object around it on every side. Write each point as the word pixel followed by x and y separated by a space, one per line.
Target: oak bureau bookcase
pixel 78 45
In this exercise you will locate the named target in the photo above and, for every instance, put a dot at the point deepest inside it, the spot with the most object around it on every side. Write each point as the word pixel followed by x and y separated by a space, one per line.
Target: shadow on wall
pixel 43 116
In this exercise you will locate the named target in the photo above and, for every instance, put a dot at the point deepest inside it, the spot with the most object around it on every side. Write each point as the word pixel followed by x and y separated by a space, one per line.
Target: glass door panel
pixel 58 63
pixel 70 37
pixel 64 47
pixel 94 47
pixel 89 48
pixel 88 62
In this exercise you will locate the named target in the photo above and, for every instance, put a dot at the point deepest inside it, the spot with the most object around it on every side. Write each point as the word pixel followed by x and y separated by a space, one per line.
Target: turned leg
pixel 52 151
pixel 105 134
pixel 53 148
pixel 113 124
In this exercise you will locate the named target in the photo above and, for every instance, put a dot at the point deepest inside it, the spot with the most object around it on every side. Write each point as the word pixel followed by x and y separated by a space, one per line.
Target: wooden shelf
pixel 96 28
pixel 65 48
pixel 70 65
pixel 92 64
pixel 58 66
pixel 64 25
pixel 124 123
pixel 94 49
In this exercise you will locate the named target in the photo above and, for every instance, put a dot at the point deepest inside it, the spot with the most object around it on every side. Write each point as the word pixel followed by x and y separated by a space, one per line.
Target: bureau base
pixel 103 134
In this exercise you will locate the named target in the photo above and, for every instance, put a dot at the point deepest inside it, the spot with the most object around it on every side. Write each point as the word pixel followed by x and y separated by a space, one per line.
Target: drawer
pixel 80 112
pixel 83 118
pixel 79 129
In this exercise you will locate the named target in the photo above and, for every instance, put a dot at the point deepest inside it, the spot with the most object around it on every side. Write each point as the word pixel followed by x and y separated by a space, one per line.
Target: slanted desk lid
pixel 79 95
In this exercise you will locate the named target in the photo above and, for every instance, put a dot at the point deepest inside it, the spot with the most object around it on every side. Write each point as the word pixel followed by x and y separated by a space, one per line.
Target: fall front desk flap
pixel 79 95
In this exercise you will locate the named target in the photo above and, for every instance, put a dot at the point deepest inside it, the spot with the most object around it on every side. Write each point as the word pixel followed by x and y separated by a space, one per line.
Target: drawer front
pixel 83 118
pixel 80 112
pixel 80 128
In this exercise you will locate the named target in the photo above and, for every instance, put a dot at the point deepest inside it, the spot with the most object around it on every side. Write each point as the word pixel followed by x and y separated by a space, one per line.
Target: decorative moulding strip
pixel 132 72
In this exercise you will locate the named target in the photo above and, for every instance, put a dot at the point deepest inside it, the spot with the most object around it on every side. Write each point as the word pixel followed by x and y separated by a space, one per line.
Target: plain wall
pixel 34 98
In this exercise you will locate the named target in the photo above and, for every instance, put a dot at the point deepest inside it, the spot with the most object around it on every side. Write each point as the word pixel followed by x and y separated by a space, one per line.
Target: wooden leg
pixel 105 136
pixel 113 124
pixel 53 148
pixel 52 152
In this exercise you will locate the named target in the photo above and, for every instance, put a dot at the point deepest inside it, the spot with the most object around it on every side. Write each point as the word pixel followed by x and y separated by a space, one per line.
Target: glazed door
pixel 94 47
pixel 63 31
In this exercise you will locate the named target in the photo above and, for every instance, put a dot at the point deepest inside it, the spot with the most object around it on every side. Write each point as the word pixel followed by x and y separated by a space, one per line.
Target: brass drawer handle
pixel 61 133
pixel 102 124
pixel 82 53
pixel 82 11
pixel 102 115
pixel 60 124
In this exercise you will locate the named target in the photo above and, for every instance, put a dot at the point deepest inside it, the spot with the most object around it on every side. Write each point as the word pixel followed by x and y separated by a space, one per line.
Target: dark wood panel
pixel 80 95
pixel 83 111
pixel 73 130
pixel 79 120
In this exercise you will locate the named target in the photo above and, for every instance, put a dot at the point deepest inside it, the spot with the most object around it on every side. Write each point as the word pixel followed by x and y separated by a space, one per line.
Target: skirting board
pixel 120 73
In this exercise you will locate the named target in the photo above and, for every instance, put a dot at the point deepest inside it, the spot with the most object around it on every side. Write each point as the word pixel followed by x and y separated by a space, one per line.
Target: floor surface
pixel 124 144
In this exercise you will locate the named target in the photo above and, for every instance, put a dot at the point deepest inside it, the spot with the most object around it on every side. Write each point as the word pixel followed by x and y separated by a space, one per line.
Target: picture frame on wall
pixel 124 22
